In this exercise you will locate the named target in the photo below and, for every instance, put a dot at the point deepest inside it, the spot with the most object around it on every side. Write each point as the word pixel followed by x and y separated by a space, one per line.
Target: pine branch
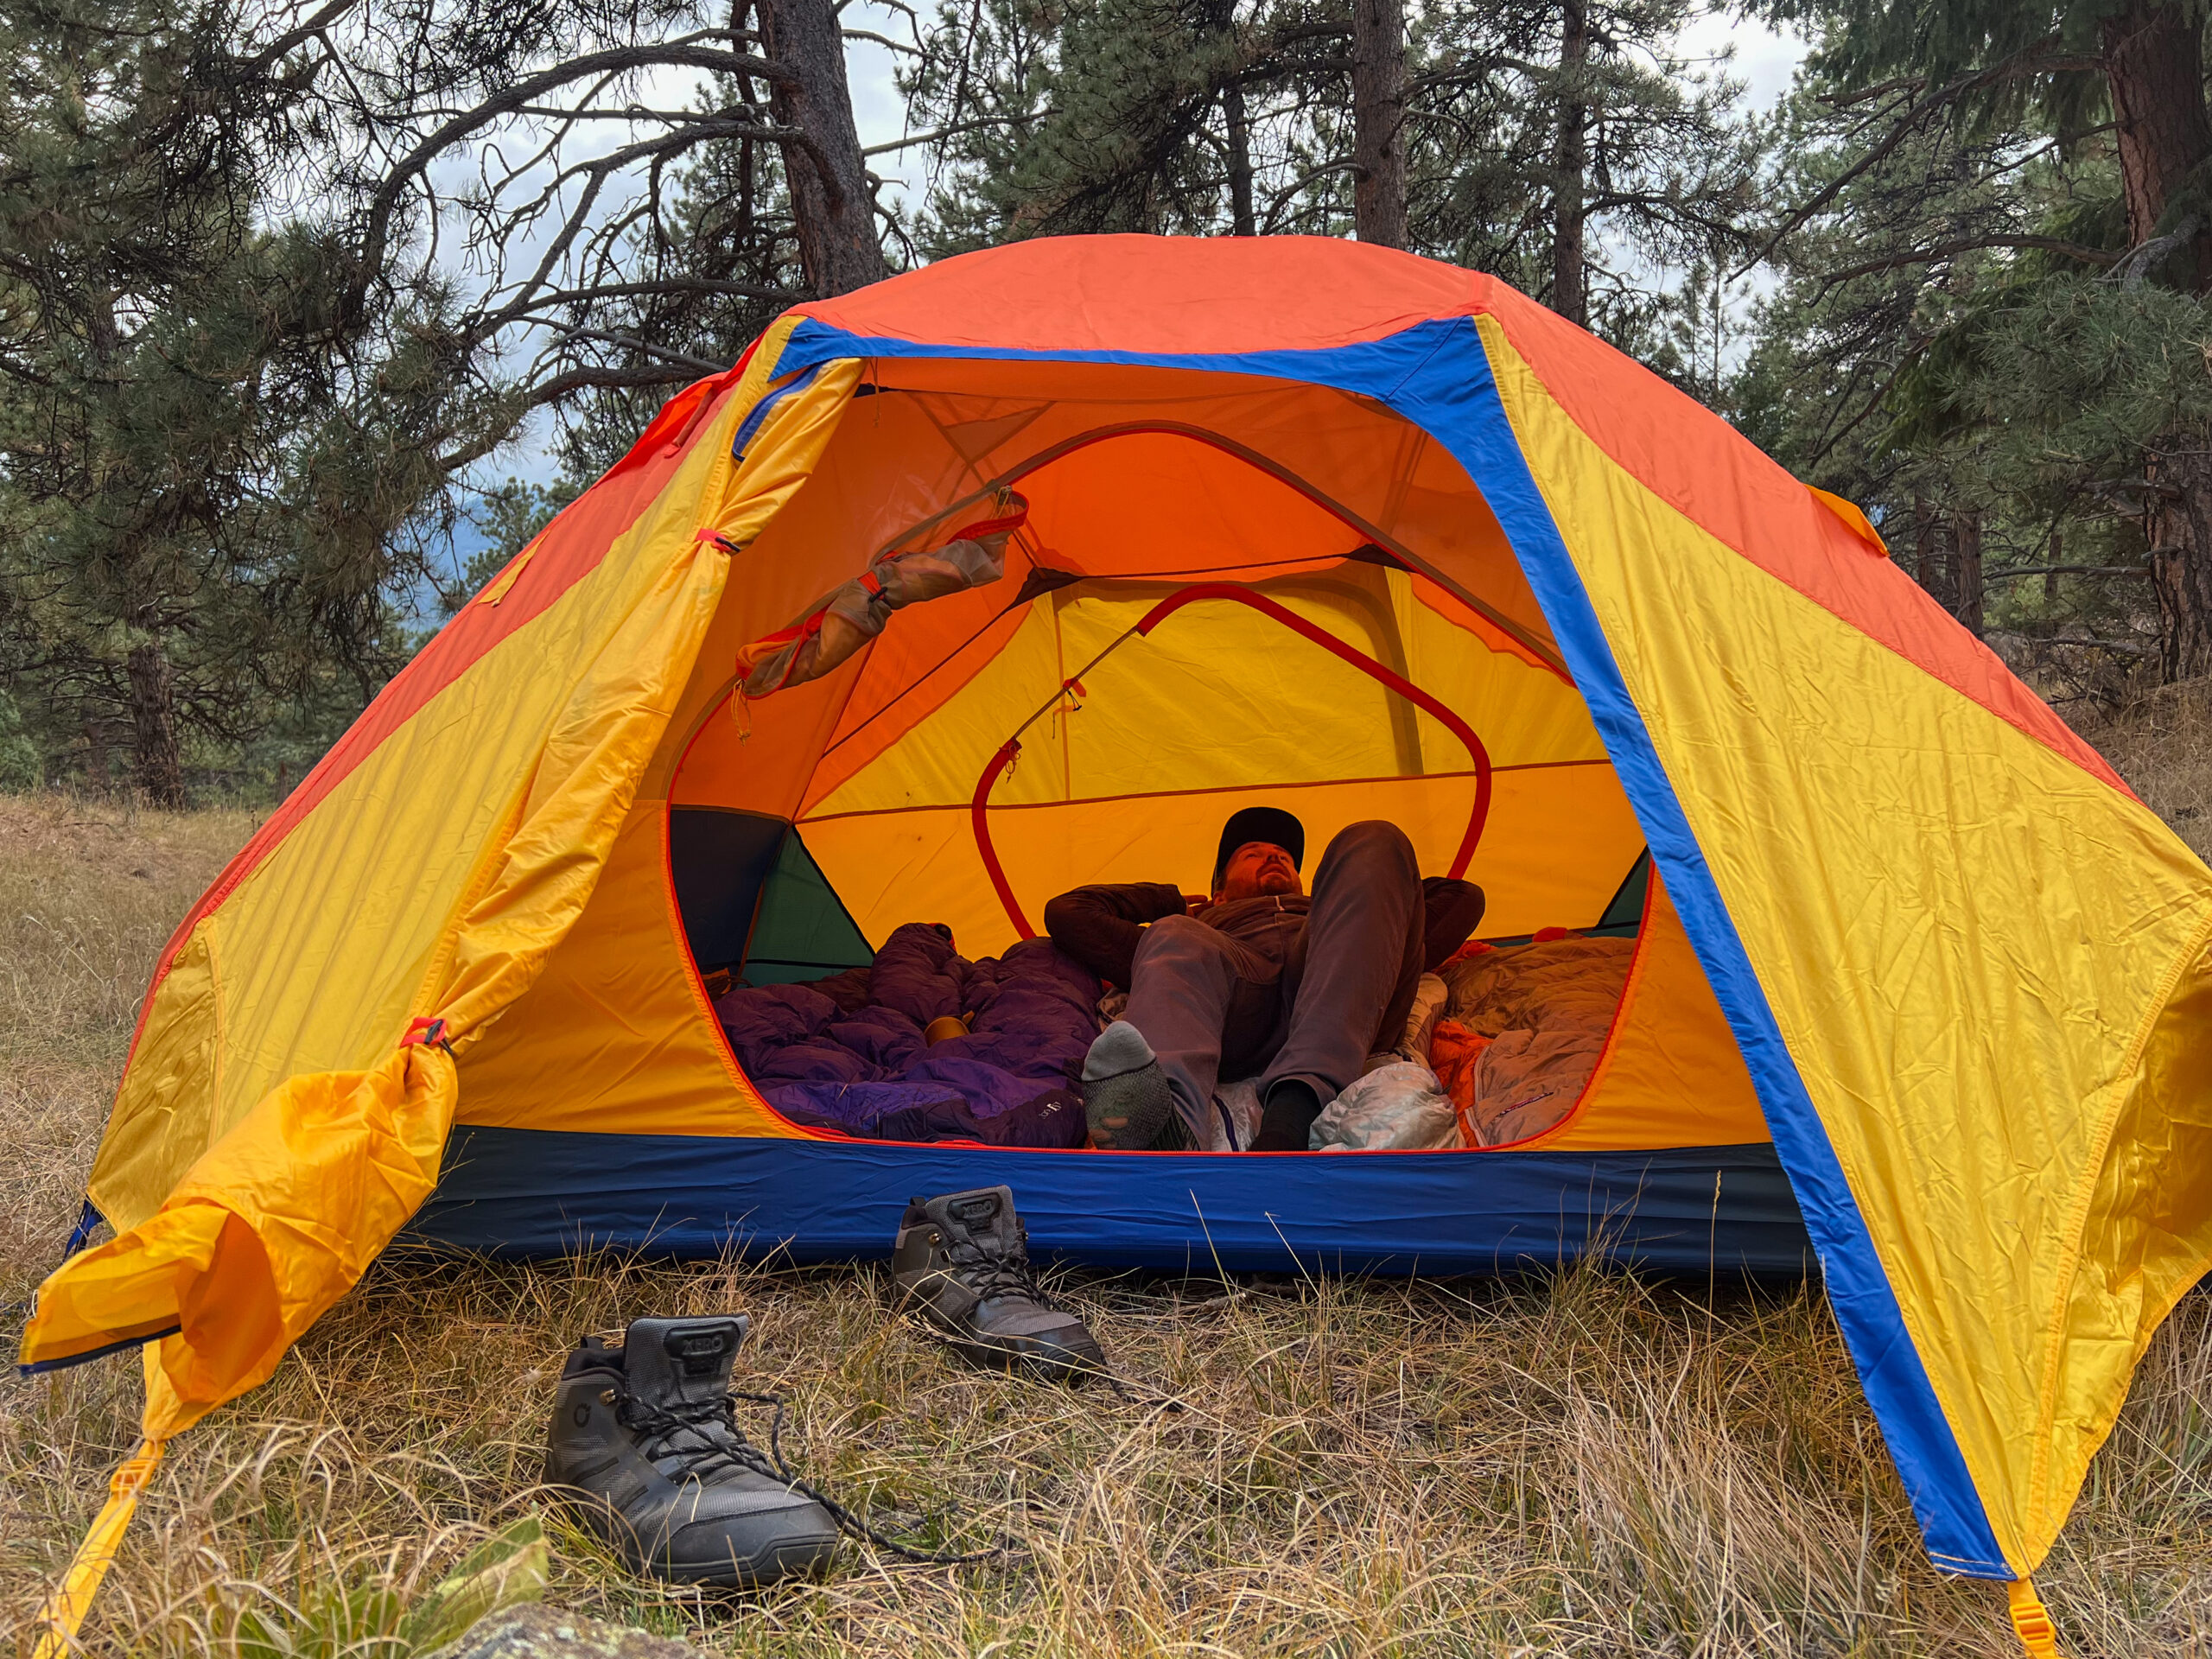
pixel 1973 245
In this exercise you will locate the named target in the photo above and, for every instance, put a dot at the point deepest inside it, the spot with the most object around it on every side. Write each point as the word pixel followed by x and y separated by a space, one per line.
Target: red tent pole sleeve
pixel 979 803
pixel 977 815
pixel 1367 665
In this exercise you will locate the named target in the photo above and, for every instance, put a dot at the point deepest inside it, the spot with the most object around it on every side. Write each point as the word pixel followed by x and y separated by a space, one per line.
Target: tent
pixel 1917 980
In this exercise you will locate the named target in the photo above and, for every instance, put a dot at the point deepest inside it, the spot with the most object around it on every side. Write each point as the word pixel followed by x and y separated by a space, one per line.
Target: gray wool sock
pixel 1120 1047
pixel 1126 1099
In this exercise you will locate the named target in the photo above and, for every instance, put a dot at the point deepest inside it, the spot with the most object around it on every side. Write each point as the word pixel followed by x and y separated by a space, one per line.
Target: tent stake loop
pixel 66 1608
pixel 2032 1620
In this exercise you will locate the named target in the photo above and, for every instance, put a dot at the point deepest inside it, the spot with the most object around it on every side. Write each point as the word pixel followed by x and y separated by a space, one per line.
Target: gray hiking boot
pixel 963 1260
pixel 647 1454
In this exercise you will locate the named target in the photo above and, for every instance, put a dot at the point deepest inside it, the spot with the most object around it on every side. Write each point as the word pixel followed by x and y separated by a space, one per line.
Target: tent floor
pixel 535 1194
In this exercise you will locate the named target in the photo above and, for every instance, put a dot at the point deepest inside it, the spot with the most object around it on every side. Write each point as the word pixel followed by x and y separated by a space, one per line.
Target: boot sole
pixel 790 1558
pixel 1073 1369
pixel 788 1551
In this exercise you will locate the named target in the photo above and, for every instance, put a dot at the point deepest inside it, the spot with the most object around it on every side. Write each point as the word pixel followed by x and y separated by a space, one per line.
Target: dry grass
pixel 2162 745
pixel 1585 1465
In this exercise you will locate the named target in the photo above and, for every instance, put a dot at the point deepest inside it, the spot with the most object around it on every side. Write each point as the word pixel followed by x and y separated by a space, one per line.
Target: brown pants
pixel 1339 983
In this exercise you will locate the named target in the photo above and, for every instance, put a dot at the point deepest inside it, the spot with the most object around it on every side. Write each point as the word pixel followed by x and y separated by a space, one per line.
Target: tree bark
pixel 1243 221
pixel 830 198
pixel 96 779
pixel 153 725
pixel 1966 570
pixel 1927 552
pixel 1570 270
pixel 2179 523
pixel 1378 121
pixel 2154 68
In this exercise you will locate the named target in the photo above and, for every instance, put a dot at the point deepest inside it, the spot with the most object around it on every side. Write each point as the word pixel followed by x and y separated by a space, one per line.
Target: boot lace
pixel 991 1273
pixel 705 1433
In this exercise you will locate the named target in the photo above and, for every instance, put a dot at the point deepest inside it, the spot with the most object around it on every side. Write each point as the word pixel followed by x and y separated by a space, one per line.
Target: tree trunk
pixel 1927 552
pixel 1236 119
pixel 2179 525
pixel 828 182
pixel 1966 570
pixel 1570 271
pixel 1240 161
pixel 2154 68
pixel 153 725
pixel 96 779
pixel 2050 576
pixel 1378 121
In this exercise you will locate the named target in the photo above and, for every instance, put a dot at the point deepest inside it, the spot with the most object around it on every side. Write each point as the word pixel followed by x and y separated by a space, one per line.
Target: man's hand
pixel 1195 903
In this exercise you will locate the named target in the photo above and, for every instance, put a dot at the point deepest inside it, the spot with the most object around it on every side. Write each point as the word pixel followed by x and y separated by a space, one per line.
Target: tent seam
pixel 2124 1093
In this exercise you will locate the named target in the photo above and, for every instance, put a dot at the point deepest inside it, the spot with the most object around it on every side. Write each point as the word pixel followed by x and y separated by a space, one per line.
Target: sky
pixel 1765 58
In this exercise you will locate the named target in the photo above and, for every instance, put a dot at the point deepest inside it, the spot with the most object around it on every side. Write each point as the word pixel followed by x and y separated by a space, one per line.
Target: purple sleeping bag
pixel 863 1070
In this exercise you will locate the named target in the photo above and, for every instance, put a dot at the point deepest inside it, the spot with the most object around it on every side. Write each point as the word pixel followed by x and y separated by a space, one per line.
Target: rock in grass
pixel 505 1570
pixel 538 1631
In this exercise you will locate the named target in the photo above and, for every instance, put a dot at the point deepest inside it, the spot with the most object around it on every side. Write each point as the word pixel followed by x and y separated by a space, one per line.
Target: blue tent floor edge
pixel 1692 1211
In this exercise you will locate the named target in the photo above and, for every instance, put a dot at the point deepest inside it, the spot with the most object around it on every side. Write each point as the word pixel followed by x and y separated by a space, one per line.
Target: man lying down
pixel 1257 980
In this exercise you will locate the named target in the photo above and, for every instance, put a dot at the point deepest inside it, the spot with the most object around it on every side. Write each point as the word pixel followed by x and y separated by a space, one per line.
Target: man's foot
pixel 963 1259
pixel 1126 1099
pixel 644 1451
pixel 1287 1117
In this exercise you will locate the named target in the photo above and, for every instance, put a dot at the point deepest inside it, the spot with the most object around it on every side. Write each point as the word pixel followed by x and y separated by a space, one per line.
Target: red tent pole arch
pixel 979 805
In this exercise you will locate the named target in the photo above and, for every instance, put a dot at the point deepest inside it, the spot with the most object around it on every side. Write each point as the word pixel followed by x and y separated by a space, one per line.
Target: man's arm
pixel 1100 926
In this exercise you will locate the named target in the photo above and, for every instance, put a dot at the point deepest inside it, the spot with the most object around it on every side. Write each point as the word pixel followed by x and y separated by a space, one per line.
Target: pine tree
pixel 1571 146
pixel 1563 143
pixel 2110 87
pixel 217 480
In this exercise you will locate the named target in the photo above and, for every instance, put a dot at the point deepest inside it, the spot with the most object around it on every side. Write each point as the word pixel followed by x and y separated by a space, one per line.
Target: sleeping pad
pixel 848 1055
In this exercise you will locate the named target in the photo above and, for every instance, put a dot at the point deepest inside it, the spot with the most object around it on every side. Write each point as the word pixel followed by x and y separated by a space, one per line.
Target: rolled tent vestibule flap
pixel 854 613
pixel 1897 916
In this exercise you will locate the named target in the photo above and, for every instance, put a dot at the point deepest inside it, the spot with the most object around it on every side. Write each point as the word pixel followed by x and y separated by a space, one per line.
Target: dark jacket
pixel 1100 926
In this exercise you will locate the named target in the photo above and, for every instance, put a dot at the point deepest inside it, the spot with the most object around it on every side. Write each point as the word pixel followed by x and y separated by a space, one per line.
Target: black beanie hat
pixel 1269 824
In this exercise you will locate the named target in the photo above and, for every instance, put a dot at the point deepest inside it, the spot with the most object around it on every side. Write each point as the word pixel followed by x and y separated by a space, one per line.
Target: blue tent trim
pixel 1437 375
pixel 1469 419
pixel 1374 368
pixel 532 1193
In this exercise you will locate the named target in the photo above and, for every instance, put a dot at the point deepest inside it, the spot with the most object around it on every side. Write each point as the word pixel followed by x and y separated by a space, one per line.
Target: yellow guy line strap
pixel 2033 1624
pixel 66 1608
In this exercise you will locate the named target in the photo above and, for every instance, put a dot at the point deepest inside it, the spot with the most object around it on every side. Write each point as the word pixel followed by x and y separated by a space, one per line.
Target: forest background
pixel 289 289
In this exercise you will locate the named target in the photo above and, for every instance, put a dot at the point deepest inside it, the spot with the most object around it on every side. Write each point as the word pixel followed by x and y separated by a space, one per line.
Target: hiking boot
pixel 964 1260
pixel 647 1454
